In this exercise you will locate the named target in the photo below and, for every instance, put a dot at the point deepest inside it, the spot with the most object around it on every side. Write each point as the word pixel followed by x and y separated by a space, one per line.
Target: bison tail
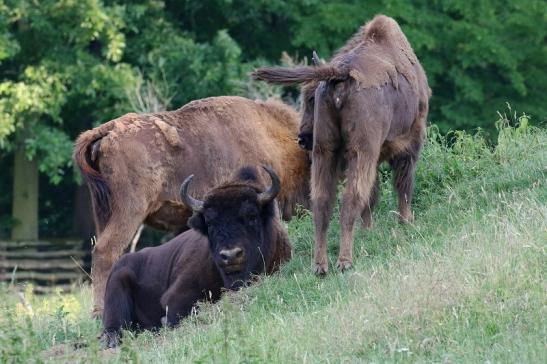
pixel 85 156
pixel 290 76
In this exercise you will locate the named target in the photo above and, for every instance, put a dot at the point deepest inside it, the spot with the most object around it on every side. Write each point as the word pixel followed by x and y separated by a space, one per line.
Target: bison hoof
pixel 367 224
pixel 406 220
pixel 305 141
pixel 109 339
pixel 320 269
pixel 343 265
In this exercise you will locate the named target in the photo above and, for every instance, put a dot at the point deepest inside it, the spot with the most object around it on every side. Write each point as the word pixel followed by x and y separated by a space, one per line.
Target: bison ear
pixel 197 222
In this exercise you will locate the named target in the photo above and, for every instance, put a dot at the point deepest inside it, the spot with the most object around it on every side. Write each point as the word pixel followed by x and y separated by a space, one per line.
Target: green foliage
pixel 193 70
pixel 54 146
pixel 476 53
pixel 50 49
pixel 67 65
pixel 38 94
pixel 17 343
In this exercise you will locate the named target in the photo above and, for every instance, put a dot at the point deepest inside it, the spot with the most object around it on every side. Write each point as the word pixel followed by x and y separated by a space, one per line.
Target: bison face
pixel 234 224
pixel 236 218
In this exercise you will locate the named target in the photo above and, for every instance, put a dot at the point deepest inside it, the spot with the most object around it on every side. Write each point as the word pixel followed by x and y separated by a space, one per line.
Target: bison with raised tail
pixel 367 105
pixel 134 166
pixel 236 233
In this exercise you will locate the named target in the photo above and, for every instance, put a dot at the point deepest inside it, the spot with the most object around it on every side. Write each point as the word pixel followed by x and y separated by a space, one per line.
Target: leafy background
pixel 68 65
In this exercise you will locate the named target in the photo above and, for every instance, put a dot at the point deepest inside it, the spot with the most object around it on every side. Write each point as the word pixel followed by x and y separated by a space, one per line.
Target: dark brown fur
pixel 161 285
pixel 135 164
pixel 373 110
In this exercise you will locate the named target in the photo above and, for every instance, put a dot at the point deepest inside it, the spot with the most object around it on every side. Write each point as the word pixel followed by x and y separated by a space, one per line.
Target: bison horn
pixel 315 59
pixel 273 190
pixel 189 201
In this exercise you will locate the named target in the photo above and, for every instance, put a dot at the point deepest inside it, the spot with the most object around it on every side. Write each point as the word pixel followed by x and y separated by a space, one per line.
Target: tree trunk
pixel 25 198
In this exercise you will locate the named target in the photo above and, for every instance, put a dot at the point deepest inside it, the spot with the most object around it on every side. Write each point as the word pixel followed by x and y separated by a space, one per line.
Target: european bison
pixel 367 105
pixel 135 164
pixel 236 232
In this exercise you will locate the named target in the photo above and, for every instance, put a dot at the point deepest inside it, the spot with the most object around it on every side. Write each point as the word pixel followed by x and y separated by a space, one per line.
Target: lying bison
pixel 367 105
pixel 236 232
pixel 134 166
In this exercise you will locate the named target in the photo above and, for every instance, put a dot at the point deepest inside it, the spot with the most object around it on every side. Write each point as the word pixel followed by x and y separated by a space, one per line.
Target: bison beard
pixel 236 233
pixel 369 104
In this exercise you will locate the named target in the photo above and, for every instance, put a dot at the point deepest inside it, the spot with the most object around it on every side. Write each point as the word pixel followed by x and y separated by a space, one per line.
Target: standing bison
pixel 236 232
pixel 367 105
pixel 135 164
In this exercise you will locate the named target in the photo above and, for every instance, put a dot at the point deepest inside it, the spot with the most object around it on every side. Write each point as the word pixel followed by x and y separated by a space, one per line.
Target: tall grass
pixel 465 283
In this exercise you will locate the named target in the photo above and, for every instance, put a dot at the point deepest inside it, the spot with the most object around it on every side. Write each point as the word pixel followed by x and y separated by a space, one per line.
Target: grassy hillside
pixel 465 283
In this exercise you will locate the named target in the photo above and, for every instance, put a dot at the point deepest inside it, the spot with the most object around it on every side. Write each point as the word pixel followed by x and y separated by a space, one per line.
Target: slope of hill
pixel 465 283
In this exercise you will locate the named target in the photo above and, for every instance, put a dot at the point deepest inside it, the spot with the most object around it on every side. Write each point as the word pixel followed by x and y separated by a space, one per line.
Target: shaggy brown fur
pixel 367 105
pixel 135 164
pixel 235 235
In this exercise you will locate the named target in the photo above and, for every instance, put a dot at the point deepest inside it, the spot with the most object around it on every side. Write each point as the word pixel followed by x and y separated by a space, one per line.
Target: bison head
pixel 237 219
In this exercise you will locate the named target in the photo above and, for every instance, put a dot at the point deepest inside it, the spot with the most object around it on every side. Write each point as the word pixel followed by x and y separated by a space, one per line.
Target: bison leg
pixel 119 306
pixel 326 160
pixel 179 300
pixel 179 308
pixel 323 181
pixel 403 180
pixel 366 215
pixel 111 244
pixel 109 339
pixel 360 175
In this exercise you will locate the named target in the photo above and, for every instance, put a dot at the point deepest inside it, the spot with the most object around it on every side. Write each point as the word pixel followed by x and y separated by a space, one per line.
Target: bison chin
pixel 235 280
pixel 239 269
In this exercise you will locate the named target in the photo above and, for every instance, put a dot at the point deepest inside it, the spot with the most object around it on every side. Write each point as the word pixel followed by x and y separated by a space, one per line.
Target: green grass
pixel 465 283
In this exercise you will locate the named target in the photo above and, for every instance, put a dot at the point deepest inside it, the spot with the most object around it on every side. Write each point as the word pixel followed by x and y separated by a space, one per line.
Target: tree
pixel 478 54
pixel 42 57
pixel 68 65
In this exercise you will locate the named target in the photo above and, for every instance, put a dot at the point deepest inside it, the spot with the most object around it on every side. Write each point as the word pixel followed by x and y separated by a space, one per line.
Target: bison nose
pixel 229 255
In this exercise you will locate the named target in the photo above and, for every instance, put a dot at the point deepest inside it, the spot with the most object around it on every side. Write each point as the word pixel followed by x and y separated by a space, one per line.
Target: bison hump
pixel 379 65
pixel 169 132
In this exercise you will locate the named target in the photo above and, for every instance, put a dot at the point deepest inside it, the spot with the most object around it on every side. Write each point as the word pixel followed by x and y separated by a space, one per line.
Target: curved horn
pixel 273 190
pixel 315 59
pixel 189 201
